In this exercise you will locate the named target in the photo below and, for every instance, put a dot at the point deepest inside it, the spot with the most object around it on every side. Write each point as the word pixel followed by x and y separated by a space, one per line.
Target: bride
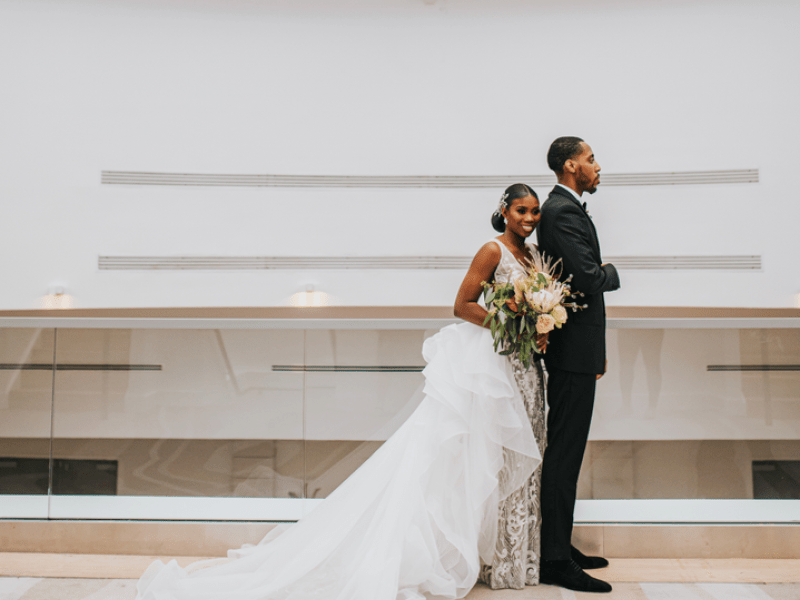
pixel 450 498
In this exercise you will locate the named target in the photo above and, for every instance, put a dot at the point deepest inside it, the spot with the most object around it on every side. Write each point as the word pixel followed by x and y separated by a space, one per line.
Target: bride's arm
pixel 481 269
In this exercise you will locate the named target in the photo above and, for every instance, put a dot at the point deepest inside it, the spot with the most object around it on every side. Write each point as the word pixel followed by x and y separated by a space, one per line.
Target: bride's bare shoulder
pixel 488 254
pixel 491 248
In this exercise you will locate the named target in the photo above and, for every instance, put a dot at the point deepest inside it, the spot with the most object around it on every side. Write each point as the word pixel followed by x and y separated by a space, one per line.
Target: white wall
pixel 473 87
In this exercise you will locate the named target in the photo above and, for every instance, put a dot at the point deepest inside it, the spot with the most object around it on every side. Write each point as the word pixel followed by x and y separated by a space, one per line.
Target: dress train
pixel 417 519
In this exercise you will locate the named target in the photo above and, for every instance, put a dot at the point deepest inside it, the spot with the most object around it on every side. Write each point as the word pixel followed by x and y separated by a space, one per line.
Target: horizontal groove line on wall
pixel 222 263
pixel 686 262
pixel 753 368
pixel 344 369
pixel 418 181
pixel 284 262
pixel 76 367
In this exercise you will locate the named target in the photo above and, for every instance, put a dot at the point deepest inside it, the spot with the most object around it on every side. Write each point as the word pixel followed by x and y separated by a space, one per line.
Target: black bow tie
pixel 584 207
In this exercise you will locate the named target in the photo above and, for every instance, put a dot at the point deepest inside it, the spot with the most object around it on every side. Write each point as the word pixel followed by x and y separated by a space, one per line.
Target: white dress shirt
pixel 571 191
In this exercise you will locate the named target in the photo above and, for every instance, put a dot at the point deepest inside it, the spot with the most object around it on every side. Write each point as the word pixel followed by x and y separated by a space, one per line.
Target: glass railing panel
pixel 26 393
pixel 697 414
pixel 361 385
pixel 239 423
pixel 199 414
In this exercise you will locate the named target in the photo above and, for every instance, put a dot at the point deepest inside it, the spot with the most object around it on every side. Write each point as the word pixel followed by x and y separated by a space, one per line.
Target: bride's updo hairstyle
pixel 518 190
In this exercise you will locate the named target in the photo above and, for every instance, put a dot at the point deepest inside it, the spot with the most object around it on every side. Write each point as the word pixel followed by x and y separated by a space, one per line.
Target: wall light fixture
pixel 310 298
pixel 56 298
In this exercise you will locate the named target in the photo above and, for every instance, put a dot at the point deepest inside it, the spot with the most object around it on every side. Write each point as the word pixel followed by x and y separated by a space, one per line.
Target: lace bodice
pixel 509 268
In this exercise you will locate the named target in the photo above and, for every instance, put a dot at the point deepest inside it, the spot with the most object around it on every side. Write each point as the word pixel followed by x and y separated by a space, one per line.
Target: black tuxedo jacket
pixel 566 231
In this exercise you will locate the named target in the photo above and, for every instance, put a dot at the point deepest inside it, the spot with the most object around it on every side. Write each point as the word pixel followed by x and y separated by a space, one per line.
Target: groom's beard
pixel 589 185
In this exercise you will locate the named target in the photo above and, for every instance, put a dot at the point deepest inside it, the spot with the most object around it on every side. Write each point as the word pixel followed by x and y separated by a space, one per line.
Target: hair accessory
pixel 501 205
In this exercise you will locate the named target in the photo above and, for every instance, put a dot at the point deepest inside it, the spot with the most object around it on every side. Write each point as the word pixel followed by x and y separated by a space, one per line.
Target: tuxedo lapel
pixel 594 231
pixel 586 218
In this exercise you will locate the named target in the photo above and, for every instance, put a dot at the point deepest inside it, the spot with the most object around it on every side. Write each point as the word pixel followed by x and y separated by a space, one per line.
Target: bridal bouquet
pixel 535 303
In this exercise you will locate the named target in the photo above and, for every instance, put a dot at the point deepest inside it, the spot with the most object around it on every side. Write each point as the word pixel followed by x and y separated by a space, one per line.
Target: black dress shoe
pixel 567 574
pixel 587 562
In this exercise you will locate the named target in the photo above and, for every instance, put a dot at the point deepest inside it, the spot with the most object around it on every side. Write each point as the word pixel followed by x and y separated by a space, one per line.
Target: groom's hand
pixel 605 370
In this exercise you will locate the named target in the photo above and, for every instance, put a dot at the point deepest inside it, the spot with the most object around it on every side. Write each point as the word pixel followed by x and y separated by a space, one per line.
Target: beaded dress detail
pixel 516 559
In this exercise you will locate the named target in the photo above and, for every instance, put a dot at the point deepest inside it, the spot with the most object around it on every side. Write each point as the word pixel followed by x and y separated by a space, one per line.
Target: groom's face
pixel 587 170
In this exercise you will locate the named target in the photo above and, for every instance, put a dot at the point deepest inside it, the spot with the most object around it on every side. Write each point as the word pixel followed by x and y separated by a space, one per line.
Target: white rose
pixel 545 323
pixel 560 315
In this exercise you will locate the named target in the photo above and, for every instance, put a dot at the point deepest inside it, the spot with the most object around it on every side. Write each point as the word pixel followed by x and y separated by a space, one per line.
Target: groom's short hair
pixel 561 151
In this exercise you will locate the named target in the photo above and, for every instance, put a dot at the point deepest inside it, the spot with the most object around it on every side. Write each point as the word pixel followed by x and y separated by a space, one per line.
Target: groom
pixel 575 359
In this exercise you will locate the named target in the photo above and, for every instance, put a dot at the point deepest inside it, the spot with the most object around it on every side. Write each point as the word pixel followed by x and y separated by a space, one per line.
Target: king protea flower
pixel 544 301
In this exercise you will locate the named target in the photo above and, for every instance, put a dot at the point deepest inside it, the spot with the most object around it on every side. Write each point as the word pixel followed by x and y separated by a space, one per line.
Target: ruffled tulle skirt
pixel 415 520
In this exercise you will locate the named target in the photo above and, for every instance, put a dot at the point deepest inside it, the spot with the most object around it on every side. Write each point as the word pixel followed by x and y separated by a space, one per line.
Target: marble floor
pixel 653 591
pixel 37 588
pixel 31 576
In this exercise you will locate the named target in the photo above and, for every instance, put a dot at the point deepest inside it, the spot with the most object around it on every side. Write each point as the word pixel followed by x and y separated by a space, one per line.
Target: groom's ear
pixel 570 166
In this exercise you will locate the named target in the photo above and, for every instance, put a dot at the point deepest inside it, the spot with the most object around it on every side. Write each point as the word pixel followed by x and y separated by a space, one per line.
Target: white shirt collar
pixel 571 191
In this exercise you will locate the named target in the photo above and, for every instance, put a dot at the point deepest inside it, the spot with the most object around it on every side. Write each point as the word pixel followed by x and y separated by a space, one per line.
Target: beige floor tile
pixel 589 539
pixel 117 589
pixel 538 592
pixel 781 591
pixel 22 564
pixel 674 591
pixel 83 566
pixel 125 589
pixel 113 577
pixel 735 570
pixel 64 589
pixel 621 591
pixel 12 588
pixel 129 537
pixel 701 541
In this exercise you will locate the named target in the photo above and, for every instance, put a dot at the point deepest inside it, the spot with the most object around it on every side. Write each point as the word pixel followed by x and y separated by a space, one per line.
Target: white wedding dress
pixel 419 517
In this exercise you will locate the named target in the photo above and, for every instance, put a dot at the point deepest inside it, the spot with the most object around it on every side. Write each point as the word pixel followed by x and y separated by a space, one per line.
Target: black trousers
pixel 570 399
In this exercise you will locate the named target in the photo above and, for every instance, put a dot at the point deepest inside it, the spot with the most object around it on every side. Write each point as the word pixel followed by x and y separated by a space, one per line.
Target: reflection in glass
pixel 360 386
pixel 689 419
pixel 682 413
pixel 26 380
pixel 706 469
pixel 631 344
pixel 776 479
pixel 183 412
pixel 24 475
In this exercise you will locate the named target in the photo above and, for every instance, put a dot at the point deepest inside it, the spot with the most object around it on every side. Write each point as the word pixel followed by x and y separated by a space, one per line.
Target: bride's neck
pixel 515 240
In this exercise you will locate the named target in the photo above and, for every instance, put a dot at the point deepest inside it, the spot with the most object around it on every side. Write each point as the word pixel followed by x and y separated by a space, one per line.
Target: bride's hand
pixel 541 341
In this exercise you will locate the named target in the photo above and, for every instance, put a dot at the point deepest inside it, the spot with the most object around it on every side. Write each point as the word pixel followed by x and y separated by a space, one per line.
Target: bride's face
pixel 523 216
